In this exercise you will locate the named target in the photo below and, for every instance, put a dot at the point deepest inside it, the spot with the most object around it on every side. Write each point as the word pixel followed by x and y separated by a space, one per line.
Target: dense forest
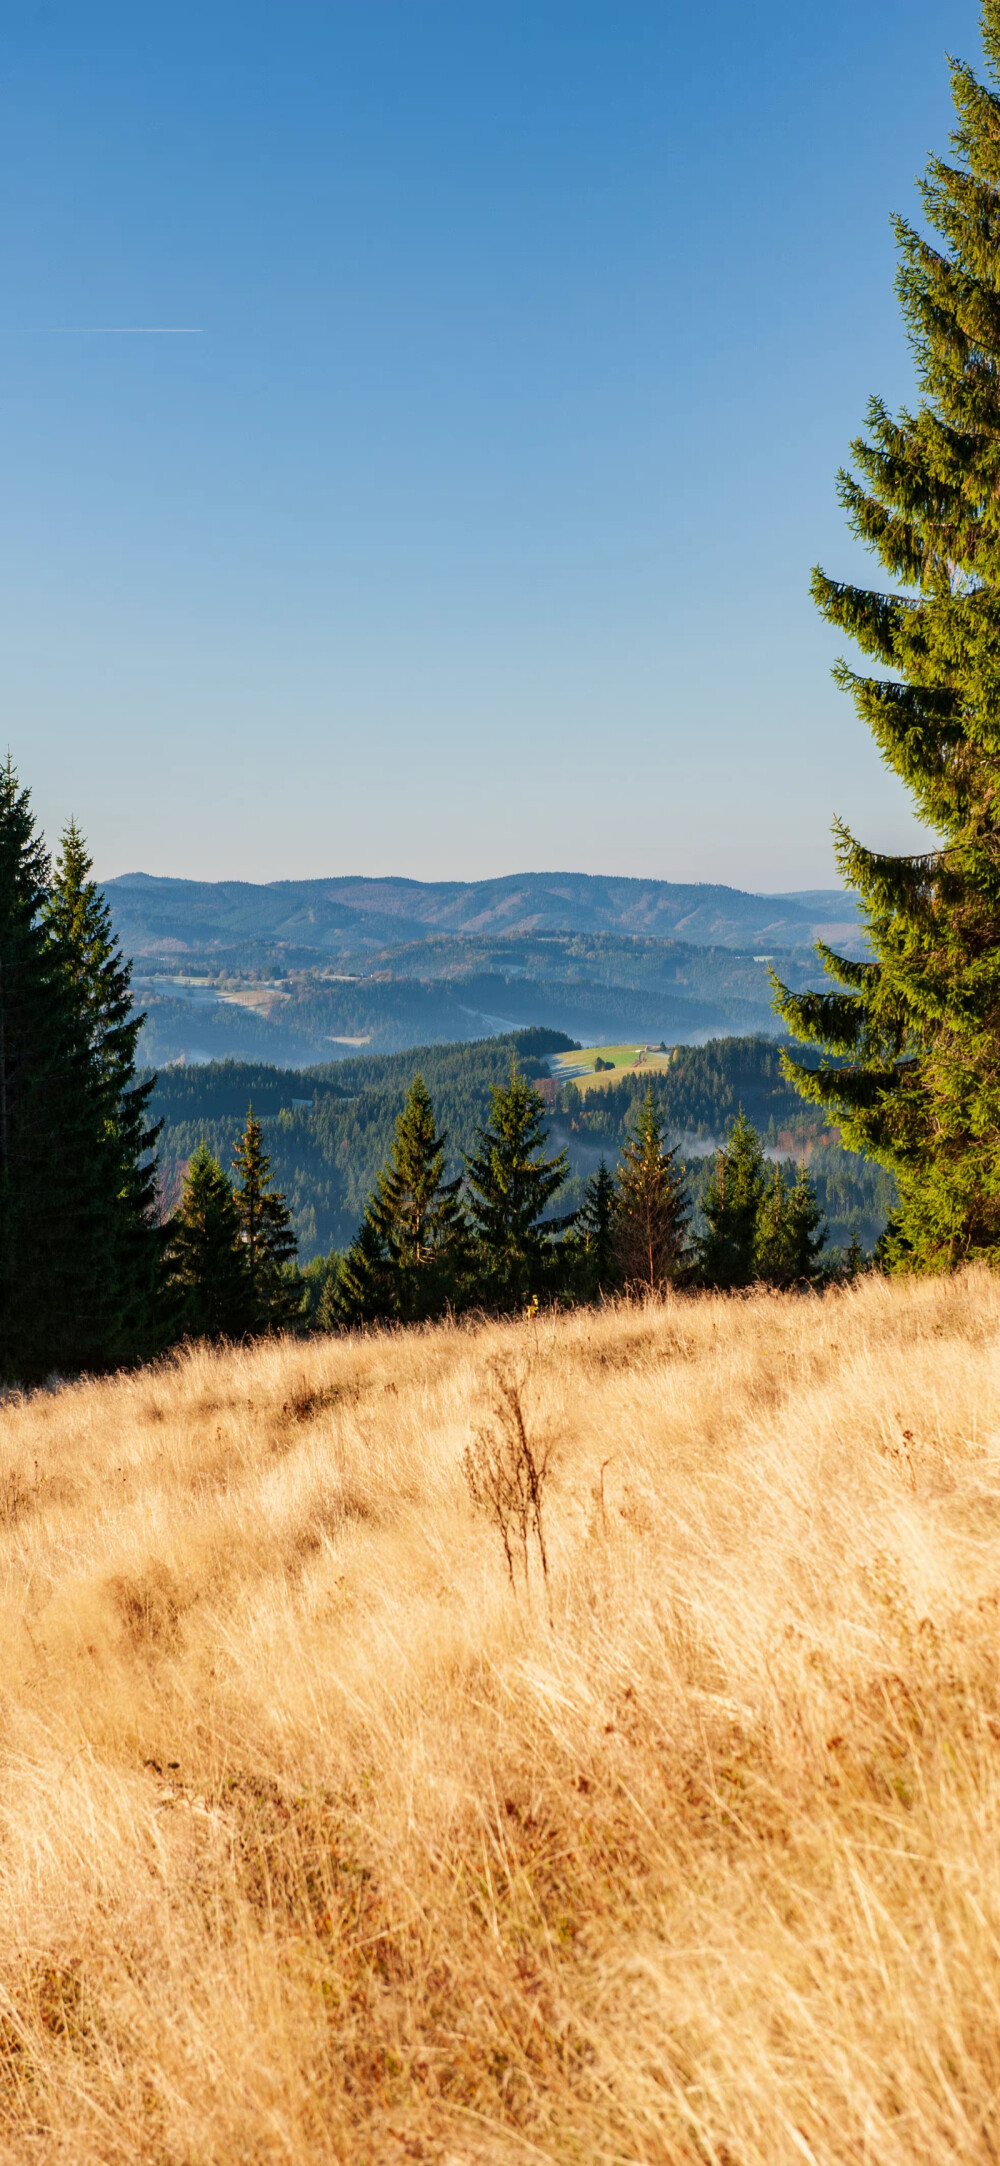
pixel 326 1152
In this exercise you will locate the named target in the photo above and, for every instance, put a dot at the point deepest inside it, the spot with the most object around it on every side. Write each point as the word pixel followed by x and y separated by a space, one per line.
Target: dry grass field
pixel 320 1841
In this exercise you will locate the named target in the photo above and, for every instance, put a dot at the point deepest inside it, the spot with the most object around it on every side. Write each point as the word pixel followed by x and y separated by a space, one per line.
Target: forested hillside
pixel 326 1152
pixel 261 1002
pixel 225 1201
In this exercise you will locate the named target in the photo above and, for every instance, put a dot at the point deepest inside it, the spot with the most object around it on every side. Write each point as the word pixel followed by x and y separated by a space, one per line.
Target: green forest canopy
pixel 326 1153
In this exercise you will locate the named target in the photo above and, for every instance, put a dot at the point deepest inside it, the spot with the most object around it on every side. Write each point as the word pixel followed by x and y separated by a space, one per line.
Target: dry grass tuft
pixel 319 1841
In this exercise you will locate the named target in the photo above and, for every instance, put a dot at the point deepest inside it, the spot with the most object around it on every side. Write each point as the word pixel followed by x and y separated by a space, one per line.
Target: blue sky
pixel 470 531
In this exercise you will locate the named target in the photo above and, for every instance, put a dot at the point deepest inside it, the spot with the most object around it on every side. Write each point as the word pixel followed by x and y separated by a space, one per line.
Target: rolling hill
pixel 165 916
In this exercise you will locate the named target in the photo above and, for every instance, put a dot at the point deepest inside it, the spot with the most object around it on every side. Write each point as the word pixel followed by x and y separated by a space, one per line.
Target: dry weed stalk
pixel 507 1470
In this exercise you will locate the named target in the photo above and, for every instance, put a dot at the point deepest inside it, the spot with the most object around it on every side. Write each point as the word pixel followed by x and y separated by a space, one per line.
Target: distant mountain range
pixel 178 917
pixel 305 970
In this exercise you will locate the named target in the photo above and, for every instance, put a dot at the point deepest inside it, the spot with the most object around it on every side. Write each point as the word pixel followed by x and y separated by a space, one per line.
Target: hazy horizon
pixel 445 879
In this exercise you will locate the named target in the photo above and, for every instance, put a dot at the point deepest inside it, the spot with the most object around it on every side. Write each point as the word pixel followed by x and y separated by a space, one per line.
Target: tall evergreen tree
pixel 266 1237
pixel 652 1208
pixel 42 1066
pixel 411 1248
pixel 366 1289
pixel 790 1231
pixel 595 1234
pixel 917 1028
pixel 77 920
pixel 323 1311
pixel 510 1186
pixel 70 1191
pixel 728 1249
pixel 207 1256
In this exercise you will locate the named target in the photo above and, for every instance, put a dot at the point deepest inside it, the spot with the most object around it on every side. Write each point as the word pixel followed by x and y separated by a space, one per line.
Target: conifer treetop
pixel 910 1073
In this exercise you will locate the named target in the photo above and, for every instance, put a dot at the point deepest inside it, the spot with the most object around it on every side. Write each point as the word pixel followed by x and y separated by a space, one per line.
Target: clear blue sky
pixel 472 531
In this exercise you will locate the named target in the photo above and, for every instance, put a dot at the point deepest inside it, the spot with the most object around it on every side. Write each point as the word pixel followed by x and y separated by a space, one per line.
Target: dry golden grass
pixel 317 1843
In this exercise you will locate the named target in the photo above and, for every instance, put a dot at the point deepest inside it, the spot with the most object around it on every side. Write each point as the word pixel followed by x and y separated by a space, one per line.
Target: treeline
pixel 488 1239
pixel 700 1094
pixel 220 1088
pixel 326 1153
pixel 95 1270
pixel 92 1276
pixel 432 1243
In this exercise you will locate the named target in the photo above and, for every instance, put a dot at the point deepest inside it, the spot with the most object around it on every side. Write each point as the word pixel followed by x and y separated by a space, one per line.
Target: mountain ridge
pixel 154 911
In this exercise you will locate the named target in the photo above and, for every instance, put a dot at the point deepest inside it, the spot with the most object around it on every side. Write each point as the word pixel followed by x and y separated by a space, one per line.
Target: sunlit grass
pixel 579 1067
pixel 320 1842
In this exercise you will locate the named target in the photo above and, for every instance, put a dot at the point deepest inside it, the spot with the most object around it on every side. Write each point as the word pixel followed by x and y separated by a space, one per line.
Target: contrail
pixel 130 330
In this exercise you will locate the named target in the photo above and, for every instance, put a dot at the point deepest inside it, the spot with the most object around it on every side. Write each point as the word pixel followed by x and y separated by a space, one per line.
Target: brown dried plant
pixel 507 1469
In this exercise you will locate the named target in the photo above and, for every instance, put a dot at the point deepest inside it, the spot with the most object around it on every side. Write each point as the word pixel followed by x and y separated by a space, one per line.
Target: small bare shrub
pixel 147 1606
pixel 507 1470
pixel 17 1496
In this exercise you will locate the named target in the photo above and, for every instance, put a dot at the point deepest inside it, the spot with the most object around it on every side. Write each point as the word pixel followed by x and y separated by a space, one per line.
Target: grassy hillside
pixel 323 1843
pixel 593 1067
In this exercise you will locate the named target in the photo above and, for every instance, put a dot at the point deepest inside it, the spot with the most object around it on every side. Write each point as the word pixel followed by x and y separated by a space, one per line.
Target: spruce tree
pixel 412 1246
pixel 651 1209
pixel 809 1229
pixel 63 1165
pixel 912 1073
pixel 790 1232
pixel 207 1257
pixel 328 1315
pixel 595 1233
pixel 510 1186
pixel 366 1290
pixel 77 920
pixel 268 1243
pixel 728 1249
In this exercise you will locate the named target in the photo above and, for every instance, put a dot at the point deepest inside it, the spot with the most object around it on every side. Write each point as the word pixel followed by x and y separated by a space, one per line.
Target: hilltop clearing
pixel 593 1067
pixel 323 1841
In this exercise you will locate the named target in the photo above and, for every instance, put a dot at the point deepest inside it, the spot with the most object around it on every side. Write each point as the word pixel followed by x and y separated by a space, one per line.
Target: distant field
pixel 580 1067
